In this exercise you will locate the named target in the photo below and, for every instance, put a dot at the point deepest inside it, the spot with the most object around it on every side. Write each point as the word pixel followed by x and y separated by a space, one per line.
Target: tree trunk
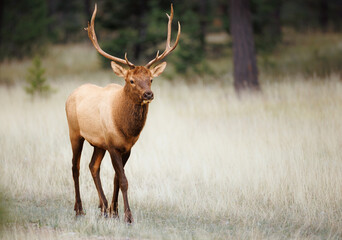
pixel 203 11
pixel 245 67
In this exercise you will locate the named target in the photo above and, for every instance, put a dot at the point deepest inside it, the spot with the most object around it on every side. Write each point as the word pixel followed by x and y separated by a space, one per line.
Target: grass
pixel 207 165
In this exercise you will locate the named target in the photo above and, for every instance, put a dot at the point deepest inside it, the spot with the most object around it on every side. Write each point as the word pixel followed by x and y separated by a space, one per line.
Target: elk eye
pixel 151 80
pixel 131 81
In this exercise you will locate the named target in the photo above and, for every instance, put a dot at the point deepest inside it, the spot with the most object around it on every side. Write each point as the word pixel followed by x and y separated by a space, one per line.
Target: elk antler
pixel 93 38
pixel 168 48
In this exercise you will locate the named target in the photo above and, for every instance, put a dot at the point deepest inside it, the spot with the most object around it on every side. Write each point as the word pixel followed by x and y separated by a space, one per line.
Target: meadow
pixel 208 165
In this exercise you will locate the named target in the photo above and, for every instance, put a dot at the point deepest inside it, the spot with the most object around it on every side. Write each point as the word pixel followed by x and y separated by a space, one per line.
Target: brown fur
pixel 110 119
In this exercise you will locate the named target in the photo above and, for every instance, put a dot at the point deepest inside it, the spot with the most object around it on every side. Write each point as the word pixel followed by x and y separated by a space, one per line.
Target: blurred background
pixel 288 37
pixel 209 164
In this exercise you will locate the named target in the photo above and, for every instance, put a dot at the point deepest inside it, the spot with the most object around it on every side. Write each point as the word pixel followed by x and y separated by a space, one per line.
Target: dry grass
pixel 207 165
pixel 311 54
pixel 71 60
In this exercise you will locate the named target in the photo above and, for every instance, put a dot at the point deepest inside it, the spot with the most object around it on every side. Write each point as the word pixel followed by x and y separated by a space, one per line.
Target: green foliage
pixel 266 24
pixel 148 35
pixel 312 14
pixel 138 27
pixel 37 83
pixel 118 46
pixel 143 28
pixel 190 51
pixel 67 21
pixel 24 27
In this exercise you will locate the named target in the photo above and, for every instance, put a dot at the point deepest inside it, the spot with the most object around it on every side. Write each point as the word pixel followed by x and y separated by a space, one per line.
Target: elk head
pixel 138 78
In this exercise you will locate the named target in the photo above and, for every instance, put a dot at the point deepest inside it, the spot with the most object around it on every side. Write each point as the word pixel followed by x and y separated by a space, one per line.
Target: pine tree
pixel 37 82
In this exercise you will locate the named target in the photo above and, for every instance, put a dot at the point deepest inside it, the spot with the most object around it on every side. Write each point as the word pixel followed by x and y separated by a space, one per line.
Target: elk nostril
pixel 148 95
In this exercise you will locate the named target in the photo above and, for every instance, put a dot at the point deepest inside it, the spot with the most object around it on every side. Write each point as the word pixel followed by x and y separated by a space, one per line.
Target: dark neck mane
pixel 133 117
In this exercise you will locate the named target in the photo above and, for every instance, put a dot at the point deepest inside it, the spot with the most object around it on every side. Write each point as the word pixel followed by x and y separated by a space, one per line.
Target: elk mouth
pixel 145 101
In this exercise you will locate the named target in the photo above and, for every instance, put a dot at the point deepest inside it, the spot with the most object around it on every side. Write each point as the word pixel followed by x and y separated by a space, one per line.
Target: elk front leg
pixel 118 165
pixel 77 145
pixel 113 211
pixel 94 167
pixel 114 206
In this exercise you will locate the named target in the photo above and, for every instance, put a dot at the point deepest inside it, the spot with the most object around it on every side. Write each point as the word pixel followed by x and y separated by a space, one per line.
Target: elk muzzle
pixel 147 97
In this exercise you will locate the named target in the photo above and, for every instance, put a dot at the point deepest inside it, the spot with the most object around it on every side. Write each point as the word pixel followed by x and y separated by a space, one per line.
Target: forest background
pixel 210 163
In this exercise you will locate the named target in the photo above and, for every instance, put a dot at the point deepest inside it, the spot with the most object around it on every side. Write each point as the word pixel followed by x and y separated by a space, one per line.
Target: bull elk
pixel 111 118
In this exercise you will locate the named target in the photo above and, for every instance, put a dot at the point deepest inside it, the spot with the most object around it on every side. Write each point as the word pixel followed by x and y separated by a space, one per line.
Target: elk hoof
pixel 78 209
pixel 104 212
pixel 80 213
pixel 113 213
pixel 115 216
pixel 129 218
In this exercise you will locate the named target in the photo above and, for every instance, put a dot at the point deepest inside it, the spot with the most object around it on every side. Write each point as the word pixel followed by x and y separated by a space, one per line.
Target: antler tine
pixel 168 47
pixel 93 38
pixel 128 63
pixel 169 25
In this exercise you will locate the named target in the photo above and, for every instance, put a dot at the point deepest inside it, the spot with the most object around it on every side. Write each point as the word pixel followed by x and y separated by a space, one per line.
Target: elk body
pixel 111 118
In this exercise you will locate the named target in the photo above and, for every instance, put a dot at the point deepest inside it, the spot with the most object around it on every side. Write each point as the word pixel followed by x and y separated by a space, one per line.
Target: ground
pixel 208 165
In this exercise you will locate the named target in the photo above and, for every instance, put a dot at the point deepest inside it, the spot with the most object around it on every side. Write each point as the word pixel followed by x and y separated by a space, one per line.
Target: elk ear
pixel 118 70
pixel 157 70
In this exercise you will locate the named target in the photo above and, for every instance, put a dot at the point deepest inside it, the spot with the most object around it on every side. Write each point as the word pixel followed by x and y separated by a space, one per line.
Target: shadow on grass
pixel 154 222
pixel 4 214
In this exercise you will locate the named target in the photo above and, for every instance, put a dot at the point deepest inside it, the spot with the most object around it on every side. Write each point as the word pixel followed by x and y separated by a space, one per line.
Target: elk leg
pixel 94 167
pixel 123 183
pixel 77 145
pixel 114 206
pixel 113 211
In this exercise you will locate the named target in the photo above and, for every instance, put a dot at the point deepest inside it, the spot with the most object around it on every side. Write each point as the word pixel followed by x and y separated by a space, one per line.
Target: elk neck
pixel 132 115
